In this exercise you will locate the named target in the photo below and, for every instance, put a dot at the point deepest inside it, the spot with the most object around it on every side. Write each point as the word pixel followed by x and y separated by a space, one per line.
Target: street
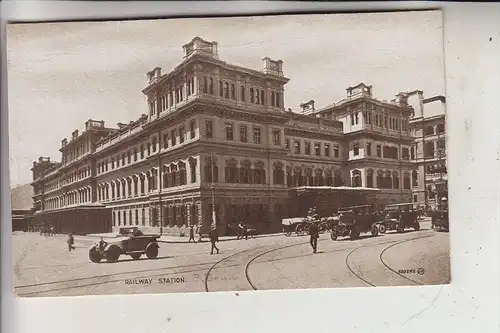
pixel 43 266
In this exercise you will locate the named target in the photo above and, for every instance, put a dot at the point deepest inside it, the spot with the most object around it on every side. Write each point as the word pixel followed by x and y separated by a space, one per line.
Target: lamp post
pixel 214 222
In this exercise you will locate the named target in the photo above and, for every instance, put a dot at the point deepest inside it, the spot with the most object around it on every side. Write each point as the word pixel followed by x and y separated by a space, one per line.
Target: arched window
pixel 406 181
pixel 226 90
pixel 338 180
pixel 252 98
pixel 429 130
pixel 298 179
pixel 182 173
pixel 192 167
pixel 387 179
pixel 242 93
pixel 278 100
pixel 259 173
pixel 211 170
pixel 356 178
pixel 262 97
pixel 278 174
pixel 142 181
pixel 245 172
pixel 136 187
pixel 231 171
pixel 380 179
pixel 221 88
pixel 129 186
pixel 289 176
pixel 369 178
pixel 309 177
pixel 174 175
pixel 414 176
pixel 319 180
pixel 395 180
pixel 233 91
pixel 329 177
pixel 165 176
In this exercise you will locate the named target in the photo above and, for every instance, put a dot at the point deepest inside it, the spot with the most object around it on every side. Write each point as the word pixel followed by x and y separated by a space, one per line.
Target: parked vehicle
pixel 135 246
pixel 353 221
pixel 399 217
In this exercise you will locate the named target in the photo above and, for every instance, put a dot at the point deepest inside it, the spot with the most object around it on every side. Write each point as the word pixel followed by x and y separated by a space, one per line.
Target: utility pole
pixel 424 164
pixel 214 222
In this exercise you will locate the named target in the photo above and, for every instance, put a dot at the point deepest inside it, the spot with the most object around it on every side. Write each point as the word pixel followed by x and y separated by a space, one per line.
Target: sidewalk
pixel 173 239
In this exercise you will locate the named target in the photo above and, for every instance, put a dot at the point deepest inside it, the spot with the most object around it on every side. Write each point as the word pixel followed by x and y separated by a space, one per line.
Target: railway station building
pixel 217 137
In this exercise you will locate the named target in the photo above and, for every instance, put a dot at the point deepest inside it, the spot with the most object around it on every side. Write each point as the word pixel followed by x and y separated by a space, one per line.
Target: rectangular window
pixel 173 137
pixel 356 149
pixel 277 137
pixel 129 157
pixel 142 152
pixel 296 146
pixel 243 93
pixel 368 149
pixel 165 140
pixel 317 149
pixel 327 150
pixel 336 151
pixel 308 148
pixel 181 134
pixel 209 129
pixel 256 135
pixel 192 129
pixel 272 98
pixel 154 143
pixel 405 153
pixel 229 132
pixel 287 143
pixel 243 133
pixel 379 151
pixel 390 152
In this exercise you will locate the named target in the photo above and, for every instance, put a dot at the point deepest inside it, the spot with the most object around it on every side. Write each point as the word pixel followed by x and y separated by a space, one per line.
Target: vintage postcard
pixel 228 154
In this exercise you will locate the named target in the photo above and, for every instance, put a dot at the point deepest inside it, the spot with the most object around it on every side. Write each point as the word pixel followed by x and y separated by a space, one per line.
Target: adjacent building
pixel 217 141
pixel 428 153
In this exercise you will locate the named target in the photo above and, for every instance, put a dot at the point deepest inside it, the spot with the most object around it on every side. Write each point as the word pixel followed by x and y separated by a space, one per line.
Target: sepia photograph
pixel 228 154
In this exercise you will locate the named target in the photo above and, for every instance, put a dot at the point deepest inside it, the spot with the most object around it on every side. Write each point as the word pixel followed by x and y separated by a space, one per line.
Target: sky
pixel 62 74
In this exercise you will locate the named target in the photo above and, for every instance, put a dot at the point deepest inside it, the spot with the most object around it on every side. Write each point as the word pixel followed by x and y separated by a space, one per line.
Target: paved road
pixel 44 267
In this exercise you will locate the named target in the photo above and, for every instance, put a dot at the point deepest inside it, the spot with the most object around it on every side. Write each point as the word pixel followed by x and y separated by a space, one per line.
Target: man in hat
pixel 191 234
pixel 314 235
pixel 71 242
pixel 213 239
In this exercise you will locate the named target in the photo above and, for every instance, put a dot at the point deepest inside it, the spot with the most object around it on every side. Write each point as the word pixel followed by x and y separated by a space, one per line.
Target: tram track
pixel 357 275
pixel 94 281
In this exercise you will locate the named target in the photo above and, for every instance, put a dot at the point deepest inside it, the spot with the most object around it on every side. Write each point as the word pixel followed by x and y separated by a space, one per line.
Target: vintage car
pixel 135 246
pixel 399 217
pixel 353 221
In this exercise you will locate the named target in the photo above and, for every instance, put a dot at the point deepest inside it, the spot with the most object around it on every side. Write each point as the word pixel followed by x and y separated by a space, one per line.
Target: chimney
pixel 74 135
pixel 307 107
pixel 64 142
pixel 274 67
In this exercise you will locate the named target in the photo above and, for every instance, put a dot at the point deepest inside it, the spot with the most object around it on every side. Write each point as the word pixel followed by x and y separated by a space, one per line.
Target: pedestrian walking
pixel 199 233
pixel 71 242
pixel 191 234
pixel 213 239
pixel 314 235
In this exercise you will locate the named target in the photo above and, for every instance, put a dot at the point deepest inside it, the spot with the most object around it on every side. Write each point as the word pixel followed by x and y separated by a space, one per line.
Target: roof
pixel 22 197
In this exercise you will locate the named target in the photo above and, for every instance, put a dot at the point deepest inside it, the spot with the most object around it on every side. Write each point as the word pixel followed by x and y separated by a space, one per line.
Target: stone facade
pixel 218 135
